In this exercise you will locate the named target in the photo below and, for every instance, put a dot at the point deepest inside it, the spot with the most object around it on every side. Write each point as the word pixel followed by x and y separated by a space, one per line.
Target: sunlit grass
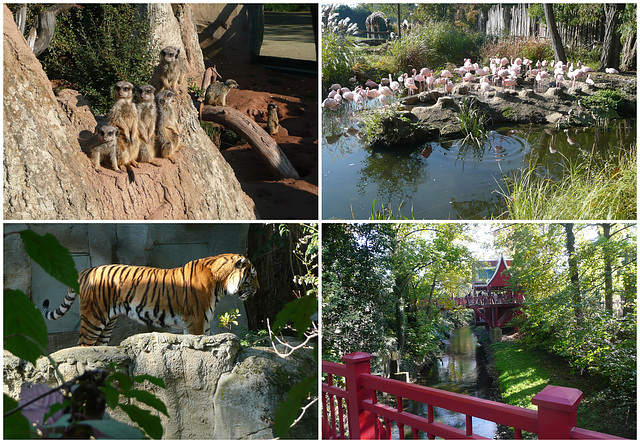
pixel 586 192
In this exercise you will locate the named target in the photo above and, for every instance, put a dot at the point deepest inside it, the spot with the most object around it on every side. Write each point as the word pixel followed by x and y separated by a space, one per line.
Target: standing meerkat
pixel 216 94
pixel 147 123
pixel 167 132
pixel 272 119
pixel 171 73
pixel 102 145
pixel 124 116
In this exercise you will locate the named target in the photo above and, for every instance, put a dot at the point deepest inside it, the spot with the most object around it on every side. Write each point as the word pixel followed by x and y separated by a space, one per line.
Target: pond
pixel 461 370
pixel 448 180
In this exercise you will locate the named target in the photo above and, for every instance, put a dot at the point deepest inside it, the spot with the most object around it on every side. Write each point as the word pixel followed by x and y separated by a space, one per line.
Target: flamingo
pixel 371 84
pixel 394 85
pixel 335 87
pixel 448 86
pixel 611 71
pixel 509 82
pixel 589 81
pixel 410 84
pixel 330 103
pixel 418 78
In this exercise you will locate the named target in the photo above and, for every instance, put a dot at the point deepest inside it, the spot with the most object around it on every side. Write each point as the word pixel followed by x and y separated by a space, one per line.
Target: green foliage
pixel 259 338
pixel 338 49
pixel 530 47
pixel 473 123
pixel 54 258
pixel 386 124
pixel 601 342
pixel 606 99
pixel 98 45
pixel 24 330
pixel 387 213
pixel 228 319
pixel 434 45
pixel 302 313
pixel 289 409
pixel 587 192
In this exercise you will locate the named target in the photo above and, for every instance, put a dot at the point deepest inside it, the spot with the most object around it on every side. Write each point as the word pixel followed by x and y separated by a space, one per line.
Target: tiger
pixel 183 297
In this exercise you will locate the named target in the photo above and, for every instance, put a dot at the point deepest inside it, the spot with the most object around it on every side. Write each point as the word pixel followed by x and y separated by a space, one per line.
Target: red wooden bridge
pixel 492 310
pixel 493 301
pixel 353 411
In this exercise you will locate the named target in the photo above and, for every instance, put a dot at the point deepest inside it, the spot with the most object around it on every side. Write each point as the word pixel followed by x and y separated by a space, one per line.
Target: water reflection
pixel 449 180
pixel 461 370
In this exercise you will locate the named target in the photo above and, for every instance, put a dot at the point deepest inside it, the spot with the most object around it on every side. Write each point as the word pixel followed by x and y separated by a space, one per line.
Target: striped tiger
pixel 179 298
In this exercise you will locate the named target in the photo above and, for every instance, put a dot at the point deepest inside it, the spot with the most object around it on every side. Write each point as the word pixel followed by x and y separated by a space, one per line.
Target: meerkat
pixel 167 132
pixel 146 123
pixel 216 94
pixel 272 118
pixel 102 145
pixel 124 116
pixel 171 73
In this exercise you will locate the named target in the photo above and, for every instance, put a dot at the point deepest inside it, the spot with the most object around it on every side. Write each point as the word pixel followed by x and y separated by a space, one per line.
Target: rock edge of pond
pixel 431 116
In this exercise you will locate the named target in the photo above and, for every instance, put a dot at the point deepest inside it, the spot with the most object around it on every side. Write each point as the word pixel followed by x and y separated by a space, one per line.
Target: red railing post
pixel 557 411
pixel 357 363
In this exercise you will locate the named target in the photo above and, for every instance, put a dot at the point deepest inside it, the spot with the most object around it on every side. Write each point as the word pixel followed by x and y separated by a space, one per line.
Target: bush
pixel 96 46
pixel 434 45
pixel 532 48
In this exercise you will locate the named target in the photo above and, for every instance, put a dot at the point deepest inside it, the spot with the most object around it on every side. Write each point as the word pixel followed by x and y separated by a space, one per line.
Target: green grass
pixel 523 372
pixel 587 191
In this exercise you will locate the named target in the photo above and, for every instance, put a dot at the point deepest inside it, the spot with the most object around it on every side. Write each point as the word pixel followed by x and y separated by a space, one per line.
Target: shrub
pixel 434 45
pixel 338 55
pixel 530 47
pixel 96 46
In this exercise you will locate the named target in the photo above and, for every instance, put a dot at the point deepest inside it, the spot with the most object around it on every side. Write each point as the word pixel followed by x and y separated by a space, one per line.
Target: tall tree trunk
pixel 610 57
pixel 573 272
pixel 400 322
pixel 629 52
pixel 556 41
pixel 608 265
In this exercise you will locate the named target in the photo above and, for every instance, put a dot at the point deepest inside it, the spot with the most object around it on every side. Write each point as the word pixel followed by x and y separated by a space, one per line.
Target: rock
pixel 46 175
pixel 215 389
pixel 176 29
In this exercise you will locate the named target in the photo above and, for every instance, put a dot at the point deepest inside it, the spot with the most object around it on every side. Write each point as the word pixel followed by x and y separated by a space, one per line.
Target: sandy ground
pixel 296 98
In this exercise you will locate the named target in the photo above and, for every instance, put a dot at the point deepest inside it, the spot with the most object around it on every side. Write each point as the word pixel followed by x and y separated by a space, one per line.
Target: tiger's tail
pixel 62 309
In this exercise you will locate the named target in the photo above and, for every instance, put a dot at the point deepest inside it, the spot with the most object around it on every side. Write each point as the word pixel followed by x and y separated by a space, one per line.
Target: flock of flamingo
pixel 500 72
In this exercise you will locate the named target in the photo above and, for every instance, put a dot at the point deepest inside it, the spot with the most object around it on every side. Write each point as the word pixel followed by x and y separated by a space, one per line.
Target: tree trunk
pixel 610 57
pixel 629 52
pixel 254 135
pixel 552 29
pixel 608 265
pixel 573 272
pixel 400 321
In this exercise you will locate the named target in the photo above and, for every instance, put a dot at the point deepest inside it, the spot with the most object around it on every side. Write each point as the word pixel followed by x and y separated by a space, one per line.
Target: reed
pixel 585 192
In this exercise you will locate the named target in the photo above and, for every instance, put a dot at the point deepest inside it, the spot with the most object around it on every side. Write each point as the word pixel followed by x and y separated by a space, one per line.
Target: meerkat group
pixel 146 129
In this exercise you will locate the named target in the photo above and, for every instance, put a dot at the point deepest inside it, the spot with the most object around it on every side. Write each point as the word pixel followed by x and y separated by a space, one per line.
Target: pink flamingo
pixel 410 84
pixel 611 71
pixel 418 78
pixel 394 85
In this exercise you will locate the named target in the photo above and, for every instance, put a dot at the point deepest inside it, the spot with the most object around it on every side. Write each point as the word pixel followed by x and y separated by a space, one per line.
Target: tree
pixel 629 31
pixel 573 272
pixel 610 56
pixel 556 41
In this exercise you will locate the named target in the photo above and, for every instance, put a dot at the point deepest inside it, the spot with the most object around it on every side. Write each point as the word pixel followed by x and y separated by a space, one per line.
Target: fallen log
pixel 253 134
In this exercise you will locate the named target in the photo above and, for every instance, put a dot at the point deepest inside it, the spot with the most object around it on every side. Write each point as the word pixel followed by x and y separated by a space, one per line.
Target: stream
pixel 462 370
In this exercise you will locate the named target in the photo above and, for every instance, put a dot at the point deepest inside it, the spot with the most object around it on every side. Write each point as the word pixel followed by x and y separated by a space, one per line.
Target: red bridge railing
pixel 354 412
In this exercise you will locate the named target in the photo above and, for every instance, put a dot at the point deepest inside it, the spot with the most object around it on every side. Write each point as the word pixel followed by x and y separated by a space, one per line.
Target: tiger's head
pixel 243 278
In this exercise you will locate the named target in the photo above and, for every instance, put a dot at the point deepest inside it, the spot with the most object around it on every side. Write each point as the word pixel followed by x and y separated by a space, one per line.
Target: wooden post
pixel 357 363
pixel 254 135
pixel 557 411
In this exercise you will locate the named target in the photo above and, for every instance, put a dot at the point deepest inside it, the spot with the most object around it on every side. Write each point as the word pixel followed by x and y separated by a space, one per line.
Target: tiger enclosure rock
pixel 47 176
pixel 215 388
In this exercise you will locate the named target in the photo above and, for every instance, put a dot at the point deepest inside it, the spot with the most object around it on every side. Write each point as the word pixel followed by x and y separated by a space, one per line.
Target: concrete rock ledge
pixel 215 388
